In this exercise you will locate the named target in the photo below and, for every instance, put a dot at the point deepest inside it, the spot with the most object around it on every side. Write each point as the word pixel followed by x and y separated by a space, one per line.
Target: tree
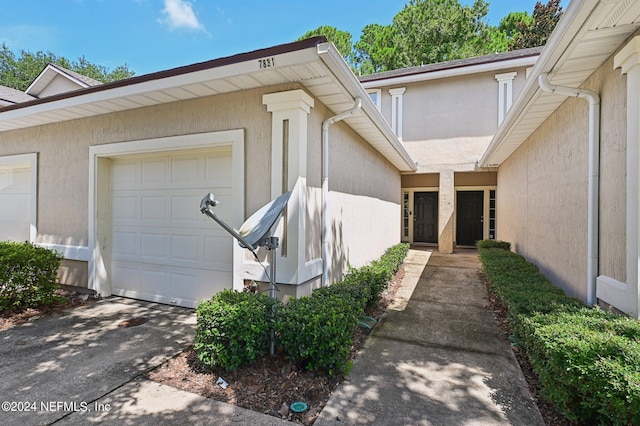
pixel 441 30
pixel 536 31
pixel 513 22
pixel 428 31
pixel 376 49
pixel 341 39
pixel 19 71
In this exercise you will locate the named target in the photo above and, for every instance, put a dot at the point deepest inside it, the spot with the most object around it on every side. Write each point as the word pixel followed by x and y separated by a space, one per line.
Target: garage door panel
pixel 154 283
pixel 186 247
pixel 126 276
pixel 187 170
pixel 181 286
pixel 126 243
pixel 124 173
pixel 15 181
pixel 14 206
pixel 199 285
pixel 218 172
pixel 125 207
pixel 153 245
pixel 152 171
pixel 218 250
pixel 185 208
pixel 179 255
pixel 154 207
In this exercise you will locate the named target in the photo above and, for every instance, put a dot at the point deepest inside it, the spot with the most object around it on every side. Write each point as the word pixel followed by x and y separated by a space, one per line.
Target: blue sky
pixel 154 35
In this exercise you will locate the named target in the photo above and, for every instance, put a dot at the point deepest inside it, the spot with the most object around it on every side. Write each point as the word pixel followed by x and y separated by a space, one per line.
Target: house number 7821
pixel 267 63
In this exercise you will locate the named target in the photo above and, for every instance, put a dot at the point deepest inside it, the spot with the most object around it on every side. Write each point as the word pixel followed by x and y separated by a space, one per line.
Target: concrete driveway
pixel 62 364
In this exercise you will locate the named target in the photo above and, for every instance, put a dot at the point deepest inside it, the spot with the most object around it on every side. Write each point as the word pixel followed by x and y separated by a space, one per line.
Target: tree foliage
pixel 536 31
pixel 19 70
pixel 376 50
pixel 428 31
pixel 440 30
pixel 341 39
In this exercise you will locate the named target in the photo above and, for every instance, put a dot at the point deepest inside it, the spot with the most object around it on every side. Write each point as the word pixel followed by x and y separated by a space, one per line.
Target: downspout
pixel 325 185
pixel 593 182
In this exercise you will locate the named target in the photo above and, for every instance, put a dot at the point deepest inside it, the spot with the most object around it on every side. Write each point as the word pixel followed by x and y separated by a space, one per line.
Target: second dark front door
pixel 425 217
pixel 469 220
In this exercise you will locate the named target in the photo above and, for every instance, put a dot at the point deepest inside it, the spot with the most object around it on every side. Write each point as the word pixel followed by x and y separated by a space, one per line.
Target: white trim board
pixel 80 253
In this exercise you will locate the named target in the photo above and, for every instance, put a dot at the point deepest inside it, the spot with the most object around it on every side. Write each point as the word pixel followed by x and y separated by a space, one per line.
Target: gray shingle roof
pixel 458 63
pixel 83 78
pixel 13 96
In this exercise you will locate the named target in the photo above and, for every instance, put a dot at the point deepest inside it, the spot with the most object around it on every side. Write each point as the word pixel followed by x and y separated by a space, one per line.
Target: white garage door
pixel 163 248
pixel 15 203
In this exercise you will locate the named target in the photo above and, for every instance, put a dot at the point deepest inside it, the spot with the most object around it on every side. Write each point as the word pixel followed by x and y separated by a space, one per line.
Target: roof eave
pixel 290 55
pixel 332 58
pixel 574 20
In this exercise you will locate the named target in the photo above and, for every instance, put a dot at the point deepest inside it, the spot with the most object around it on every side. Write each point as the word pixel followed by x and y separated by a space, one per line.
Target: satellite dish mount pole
pixel 254 233
pixel 271 244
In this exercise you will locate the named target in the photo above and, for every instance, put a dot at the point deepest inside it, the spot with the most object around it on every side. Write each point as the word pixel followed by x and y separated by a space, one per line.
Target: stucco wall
pixel 362 182
pixel 449 122
pixel 63 148
pixel 542 189
pixel 63 157
pixel 364 196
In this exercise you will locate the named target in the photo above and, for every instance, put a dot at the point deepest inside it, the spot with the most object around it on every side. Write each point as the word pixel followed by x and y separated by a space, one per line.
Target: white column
pixel 446 202
pixel 396 110
pixel 625 296
pixel 505 93
pixel 290 111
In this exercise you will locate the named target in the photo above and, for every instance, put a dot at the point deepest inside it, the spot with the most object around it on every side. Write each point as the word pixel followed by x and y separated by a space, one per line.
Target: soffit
pixel 588 34
pixel 324 78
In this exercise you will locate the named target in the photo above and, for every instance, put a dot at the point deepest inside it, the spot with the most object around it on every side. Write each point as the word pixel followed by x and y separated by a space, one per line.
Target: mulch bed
pixel 269 385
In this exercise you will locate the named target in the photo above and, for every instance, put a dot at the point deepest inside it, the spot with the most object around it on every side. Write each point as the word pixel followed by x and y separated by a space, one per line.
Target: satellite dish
pixel 254 233
pixel 255 229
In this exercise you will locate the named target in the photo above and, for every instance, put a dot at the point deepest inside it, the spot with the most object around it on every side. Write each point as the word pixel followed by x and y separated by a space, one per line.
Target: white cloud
pixel 179 14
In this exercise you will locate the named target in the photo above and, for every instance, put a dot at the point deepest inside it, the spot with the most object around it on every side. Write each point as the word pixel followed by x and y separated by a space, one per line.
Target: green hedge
pixel 588 360
pixel 233 329
pixel 485 244
pixel 28 275
pixel 317 332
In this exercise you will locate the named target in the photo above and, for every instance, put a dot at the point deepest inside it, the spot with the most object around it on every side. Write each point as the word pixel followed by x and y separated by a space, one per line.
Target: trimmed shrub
pixel 233 329
pixel 588 360
pixel 487 244
pixel 378 274
pixel 317 332
pixel 28 275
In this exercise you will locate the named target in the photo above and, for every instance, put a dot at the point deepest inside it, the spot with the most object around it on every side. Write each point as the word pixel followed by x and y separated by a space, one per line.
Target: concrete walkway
pixel 437 358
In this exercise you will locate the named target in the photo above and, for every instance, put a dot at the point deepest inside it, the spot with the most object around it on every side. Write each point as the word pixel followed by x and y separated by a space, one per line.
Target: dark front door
pixel 425 217
pixel 470 207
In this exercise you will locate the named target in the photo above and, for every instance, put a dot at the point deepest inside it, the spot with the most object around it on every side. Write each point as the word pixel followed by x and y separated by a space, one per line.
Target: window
pixel 505 94
pixel 396 110
pixel 376 95
pixel 405 215
pixel 492 214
